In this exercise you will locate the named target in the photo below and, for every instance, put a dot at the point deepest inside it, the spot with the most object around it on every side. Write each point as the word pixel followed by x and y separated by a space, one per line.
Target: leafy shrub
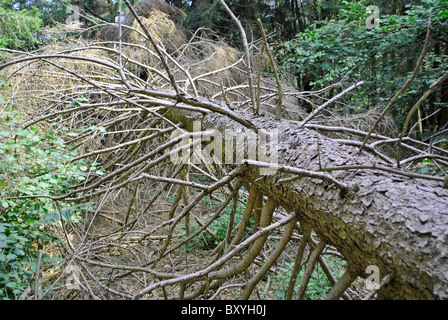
pixel 18 29
pixel 33 162
pixel 384 58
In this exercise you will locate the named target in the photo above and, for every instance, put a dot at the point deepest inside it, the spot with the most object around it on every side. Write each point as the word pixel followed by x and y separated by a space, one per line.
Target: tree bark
pixel 396 223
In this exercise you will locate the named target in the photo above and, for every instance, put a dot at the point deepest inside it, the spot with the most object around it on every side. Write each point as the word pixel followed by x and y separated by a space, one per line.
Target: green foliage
pixel 353 10
pixel 32 162
pixel 50 12
pixel 428 167
pixel 383 57
pixel 18 29
pixel 22 22
pixel 318 285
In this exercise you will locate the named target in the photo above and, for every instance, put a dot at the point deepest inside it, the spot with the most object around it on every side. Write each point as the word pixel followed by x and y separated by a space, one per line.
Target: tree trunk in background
pixel 81 10
pixel 393 222
pixel 246 10
pixel 300 16
pixel 394 6
pixel 294 12
pixel 99 7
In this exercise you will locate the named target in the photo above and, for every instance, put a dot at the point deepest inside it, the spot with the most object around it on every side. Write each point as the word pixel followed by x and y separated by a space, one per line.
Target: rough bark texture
pixel 397 223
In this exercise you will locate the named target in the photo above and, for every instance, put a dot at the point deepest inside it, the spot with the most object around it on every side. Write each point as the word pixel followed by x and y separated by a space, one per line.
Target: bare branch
pixel 329 102
pixel 247 52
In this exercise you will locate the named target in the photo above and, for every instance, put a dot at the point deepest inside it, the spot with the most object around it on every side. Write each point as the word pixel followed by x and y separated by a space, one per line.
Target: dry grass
pixel 163 30
pixel 41 84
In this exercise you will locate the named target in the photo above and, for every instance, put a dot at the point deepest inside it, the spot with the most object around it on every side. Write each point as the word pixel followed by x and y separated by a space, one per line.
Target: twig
pixel 274 68
pixel 271 260
pixel 329 102
pixel 298 261
pixel 248 212
pixel 383 283
pixel 246 49
pixel 299 172
pixel 172 181
pixel 416 107
pixel 326 269
pixel 38 271
pixel 343 283
pixel 156 47
pixel 204 225
pixel 309 269
pixel 235 285
pixel 203 274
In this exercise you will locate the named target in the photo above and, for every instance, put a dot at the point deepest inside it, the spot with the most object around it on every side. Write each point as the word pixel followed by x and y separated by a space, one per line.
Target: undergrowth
pixel 318 285
pixel 33 162
pixel 219 227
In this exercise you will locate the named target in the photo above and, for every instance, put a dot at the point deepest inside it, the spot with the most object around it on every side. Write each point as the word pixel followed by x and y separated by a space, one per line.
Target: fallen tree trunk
pixel 394 222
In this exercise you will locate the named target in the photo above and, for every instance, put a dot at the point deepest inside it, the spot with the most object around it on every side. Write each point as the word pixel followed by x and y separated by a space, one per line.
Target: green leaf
pixel 52 216
pixel 82 99
pixel 11 285
pixel 43 185
pixel 73 104
pixel 11 256
pixel 19 252
pixel 21 133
